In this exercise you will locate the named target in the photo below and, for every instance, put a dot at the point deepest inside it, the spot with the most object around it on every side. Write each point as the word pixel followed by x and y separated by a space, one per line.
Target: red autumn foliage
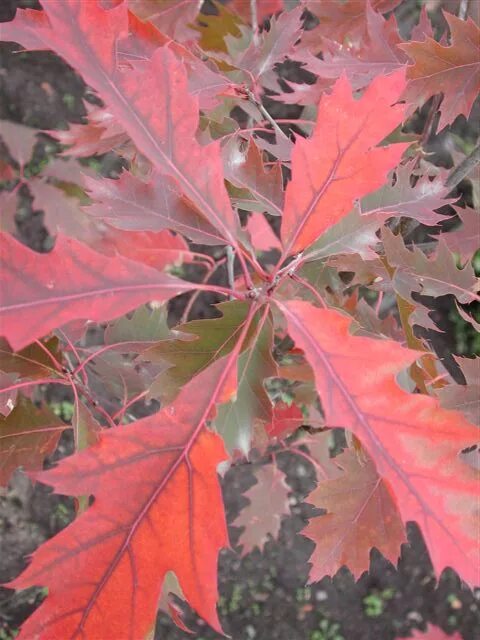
pixel 297 345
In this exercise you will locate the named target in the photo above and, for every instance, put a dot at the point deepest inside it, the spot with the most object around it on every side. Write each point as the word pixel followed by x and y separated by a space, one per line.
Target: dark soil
pixel 263 595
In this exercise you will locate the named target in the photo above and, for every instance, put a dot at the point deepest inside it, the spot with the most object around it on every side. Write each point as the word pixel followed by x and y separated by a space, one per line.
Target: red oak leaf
pixel 453 71
pixel 20 141
pixel 172 17
pixel 274 46
pixel 244 168
pixel 132 204
pixel 158 508
pixel 341 20
pixel 341 162
pixel 285 420
pixel 464 397
pixel 435 633
pixel 86 36
pixel 465 239
pixel 27 435
pixel 99 135
pixel 378 55
pixel 361 514
pixel 268 503
pixel 262 234
pixel 157 250
pixel 33 362
pixel 436 275
pixel 43 291
pixel 415 443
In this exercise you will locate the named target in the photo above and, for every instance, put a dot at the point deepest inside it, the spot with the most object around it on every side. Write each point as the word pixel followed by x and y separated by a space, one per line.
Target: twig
pixel 230 270
pixel 195 295
pixel 36 382
pixel 463 10
pixel 429 122
pixel 464 168
pixel 254 18
pixel 266 115
pixel 246 274
pixel 77 356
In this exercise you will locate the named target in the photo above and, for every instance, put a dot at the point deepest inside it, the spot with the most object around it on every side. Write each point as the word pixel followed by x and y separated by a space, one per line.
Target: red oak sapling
pixel 314 330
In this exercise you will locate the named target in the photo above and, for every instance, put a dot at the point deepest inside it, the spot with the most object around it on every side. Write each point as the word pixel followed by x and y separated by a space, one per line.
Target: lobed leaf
pixel 27 436
pixel 361 514
pixel 86 36
pixel 340 162
pixel 200 343
pixel 415 443
pixel 452 70
pixel 71 282
pixel 268 502
pixel 168 516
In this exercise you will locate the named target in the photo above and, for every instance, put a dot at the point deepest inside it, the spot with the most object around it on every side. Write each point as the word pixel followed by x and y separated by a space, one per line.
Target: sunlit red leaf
pixel 415 443
pixel 167 516
pixel 261 233
pixel 285 420
pixel 157 250
pixel 85 35
pixel 71 282
pixel 340 162
pixel 100 134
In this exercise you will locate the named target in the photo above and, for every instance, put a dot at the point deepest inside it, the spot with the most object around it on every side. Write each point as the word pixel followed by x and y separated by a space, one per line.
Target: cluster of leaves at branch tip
pixel 315 326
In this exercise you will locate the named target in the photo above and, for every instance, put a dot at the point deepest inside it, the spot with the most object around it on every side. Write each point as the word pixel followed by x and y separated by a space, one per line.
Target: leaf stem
pixel 311 288
pixel 121 412
pixel 464 168
pixel 76 354
pixel 37 381
pixel 195 295
pixel 50 356
pixel 266 115
pixel 243 264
